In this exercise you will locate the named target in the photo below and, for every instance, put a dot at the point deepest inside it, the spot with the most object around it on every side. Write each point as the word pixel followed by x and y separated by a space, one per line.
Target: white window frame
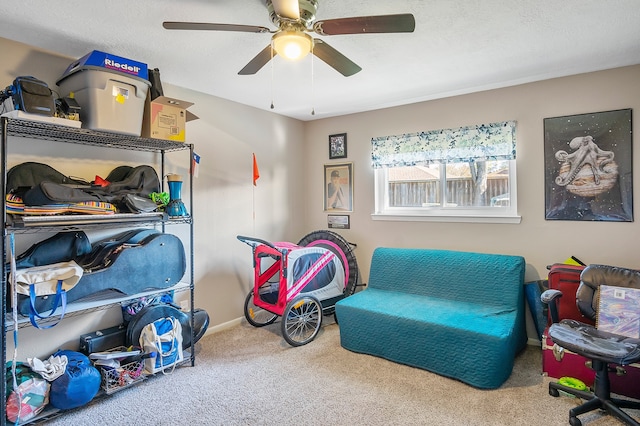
pixel 488 214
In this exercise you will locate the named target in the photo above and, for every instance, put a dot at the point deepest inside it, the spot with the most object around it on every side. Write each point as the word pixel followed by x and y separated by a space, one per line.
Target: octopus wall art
pixel 588 171
pixel 588 167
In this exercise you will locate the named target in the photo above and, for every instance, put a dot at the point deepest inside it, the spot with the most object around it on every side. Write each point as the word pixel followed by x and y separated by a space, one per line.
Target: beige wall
pixel 226 202
pixel 287 203
pixel 541 242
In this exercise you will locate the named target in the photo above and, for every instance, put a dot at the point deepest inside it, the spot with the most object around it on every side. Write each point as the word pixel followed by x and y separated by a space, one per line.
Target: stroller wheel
pixel 255 315
pixel 301 320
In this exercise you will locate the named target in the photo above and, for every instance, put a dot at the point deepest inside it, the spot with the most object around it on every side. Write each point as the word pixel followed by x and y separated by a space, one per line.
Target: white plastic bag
pixel 28 400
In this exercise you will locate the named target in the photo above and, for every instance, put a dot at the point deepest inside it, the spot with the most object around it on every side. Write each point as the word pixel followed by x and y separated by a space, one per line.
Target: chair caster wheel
pixel 554 392
pixel 574 421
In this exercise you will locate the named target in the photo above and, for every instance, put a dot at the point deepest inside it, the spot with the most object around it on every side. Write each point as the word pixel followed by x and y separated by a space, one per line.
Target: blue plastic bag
pixel 79 383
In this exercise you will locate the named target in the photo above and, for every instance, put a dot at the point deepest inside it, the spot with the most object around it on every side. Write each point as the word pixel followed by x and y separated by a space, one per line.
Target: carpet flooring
pixel 251 376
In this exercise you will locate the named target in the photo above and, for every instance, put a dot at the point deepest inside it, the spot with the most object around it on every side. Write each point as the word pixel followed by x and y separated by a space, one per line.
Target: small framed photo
pixel 338 221
pixel 338 187
pixel 338 146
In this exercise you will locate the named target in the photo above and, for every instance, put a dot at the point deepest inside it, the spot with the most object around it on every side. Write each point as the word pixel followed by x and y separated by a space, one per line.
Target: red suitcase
pixel 558 362
pixel 566 278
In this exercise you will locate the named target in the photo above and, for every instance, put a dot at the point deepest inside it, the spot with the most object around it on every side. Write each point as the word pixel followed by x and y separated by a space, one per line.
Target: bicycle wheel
pixel 301 320
pixel 255 315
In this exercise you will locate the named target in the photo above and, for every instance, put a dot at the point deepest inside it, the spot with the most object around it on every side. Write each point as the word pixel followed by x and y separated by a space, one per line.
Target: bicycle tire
pixel 301 320
pixel 255 315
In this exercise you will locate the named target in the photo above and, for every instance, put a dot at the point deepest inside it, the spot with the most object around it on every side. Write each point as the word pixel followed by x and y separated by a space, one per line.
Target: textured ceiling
pixel 459 46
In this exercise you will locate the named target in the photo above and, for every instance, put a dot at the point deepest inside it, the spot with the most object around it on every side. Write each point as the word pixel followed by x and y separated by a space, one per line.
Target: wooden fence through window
pixel 460 190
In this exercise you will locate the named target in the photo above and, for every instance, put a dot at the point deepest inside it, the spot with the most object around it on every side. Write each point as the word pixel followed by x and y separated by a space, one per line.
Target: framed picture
pixel 338 221
pixel 588 173
pixel 338 187
pixel 338 146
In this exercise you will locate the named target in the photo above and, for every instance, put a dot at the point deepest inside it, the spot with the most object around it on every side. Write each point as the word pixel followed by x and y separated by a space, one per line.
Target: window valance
pixel 494 141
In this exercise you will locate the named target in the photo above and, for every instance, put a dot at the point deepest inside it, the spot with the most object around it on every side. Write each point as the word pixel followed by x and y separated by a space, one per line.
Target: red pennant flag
pixel 256 172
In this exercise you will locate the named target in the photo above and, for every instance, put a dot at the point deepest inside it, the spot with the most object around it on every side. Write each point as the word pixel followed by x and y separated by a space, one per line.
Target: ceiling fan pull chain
pixel 313 96
pixel 272 75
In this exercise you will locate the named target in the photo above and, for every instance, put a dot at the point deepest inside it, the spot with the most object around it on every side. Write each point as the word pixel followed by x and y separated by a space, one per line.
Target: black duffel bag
pixel 24 176
pixel 128 187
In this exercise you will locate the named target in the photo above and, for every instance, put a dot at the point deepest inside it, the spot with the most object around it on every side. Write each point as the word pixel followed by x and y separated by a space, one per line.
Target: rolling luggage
pixel 566 278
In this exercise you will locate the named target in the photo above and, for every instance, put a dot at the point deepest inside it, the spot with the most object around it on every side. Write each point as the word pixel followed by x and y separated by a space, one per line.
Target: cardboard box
pixel 166 118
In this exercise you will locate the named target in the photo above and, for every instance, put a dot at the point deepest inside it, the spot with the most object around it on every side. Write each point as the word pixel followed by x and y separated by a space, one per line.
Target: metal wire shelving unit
pixel 28 129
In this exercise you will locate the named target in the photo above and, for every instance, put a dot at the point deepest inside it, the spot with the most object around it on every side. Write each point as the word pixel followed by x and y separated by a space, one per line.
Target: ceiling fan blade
pixel 289 9
pixel 258 62
pixel 401 23
pixel 169 25
pixel 334 59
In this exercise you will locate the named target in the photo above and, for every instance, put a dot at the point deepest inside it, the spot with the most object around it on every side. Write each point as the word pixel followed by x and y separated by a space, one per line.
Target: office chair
pixel 602 348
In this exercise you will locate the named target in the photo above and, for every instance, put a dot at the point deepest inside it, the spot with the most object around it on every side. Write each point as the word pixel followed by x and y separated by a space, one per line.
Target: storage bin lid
pixel 102 61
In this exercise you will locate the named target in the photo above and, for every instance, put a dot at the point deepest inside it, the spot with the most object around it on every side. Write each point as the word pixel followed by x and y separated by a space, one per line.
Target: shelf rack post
pixel 3 185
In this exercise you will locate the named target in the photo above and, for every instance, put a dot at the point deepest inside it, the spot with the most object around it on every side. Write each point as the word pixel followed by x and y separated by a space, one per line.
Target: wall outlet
pixel 184 305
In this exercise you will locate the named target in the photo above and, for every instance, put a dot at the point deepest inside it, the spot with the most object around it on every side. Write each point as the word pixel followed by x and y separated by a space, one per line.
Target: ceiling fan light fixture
pixel 292 44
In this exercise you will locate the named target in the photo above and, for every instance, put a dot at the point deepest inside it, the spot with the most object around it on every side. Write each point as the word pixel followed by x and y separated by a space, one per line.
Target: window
pixel 465 174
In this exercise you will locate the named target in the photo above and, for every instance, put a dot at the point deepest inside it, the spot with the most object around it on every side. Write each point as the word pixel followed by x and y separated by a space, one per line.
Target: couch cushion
pixel 493 279
pixel 467 342
pixel 474 317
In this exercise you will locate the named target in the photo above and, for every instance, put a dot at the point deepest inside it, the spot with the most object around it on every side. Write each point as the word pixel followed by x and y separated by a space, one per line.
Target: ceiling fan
pixel 294 19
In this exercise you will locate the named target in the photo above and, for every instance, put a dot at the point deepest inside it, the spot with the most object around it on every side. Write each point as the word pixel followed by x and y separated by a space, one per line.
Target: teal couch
pixel 457 314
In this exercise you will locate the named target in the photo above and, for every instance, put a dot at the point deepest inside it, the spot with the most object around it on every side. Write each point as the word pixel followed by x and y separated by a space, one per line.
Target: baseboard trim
pixel 534 342
pixel 224 326
pixel 531 341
